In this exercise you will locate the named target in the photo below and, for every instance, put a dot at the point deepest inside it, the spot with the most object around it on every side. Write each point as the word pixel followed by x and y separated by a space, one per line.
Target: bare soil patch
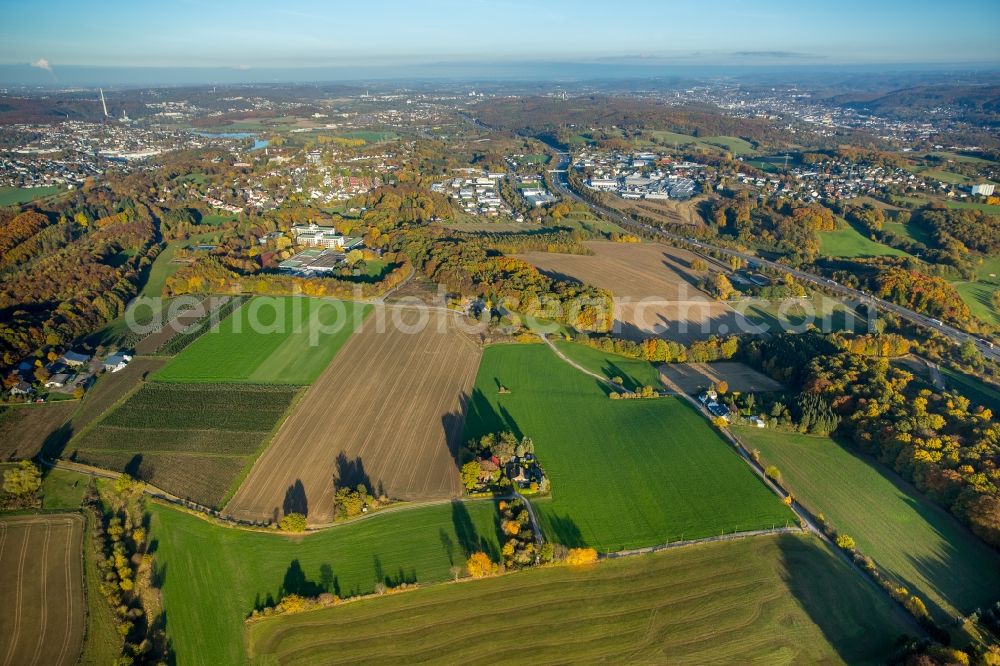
pixel 24 429
pixel 655 289
pixel 693 377
pixel 387 412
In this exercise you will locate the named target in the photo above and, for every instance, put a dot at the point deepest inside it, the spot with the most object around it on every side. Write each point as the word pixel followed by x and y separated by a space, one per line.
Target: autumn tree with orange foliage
pixel 479 565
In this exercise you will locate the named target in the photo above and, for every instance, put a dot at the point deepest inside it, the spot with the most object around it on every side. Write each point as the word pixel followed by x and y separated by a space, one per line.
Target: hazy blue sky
pixel 282 34
pixel 302 33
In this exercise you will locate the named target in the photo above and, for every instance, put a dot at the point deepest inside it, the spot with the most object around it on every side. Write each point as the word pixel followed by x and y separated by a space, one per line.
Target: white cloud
pixel 42 63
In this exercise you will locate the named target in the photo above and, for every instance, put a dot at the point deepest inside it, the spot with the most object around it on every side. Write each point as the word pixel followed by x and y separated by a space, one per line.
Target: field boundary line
pixel 731 536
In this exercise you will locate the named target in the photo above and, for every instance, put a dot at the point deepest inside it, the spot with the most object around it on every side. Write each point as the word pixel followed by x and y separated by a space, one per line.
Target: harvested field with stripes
pixel 387 412
pixel 42 578
pixel 766 600
pixel 654 288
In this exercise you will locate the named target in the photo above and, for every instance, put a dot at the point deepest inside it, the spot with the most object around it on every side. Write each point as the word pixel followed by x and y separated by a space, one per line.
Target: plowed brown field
pixel 388 412
pixel 42 578
pixel 654 287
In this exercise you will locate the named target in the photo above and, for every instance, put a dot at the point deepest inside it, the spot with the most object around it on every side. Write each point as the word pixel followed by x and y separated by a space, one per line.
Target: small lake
pixel 257 143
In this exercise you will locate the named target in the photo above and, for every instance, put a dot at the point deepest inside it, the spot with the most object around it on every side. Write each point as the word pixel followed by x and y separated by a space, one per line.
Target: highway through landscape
pixel 561 182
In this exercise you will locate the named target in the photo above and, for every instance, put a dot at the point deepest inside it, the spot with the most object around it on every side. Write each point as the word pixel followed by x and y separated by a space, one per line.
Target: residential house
pixel 116 362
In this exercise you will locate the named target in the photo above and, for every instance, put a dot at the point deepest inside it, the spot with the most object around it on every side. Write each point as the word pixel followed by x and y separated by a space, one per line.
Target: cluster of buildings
pixel 477 194
pixel 640 175
pixel 67 153
pixel 69 372
pixel 842 179
pixel 326 250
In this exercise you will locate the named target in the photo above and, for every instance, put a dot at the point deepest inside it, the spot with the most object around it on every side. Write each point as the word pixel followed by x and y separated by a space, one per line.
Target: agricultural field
pixel 693 377
pixel 10 196
pixel 109 389
pixel 192 440
pixel 849 242
pixel 732 144
pixel 978 295
pixel 916 542
pixel 767 600
pixel 387 412
pixel 25 429
pixel 795 314
pixel 216 575
pixel 176 321
pixel 654 287
pixel 270 340
pixel 42 578
pixel 625 473
pixel 634 373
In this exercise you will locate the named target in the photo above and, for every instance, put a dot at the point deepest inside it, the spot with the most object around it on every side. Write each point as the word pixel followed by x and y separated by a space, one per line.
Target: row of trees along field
pixel 949 449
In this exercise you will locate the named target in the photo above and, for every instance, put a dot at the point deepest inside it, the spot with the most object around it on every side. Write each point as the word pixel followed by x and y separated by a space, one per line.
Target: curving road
pixel 987 349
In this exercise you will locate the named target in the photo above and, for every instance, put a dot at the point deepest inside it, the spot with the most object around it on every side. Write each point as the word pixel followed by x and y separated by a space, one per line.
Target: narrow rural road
pixel 604 380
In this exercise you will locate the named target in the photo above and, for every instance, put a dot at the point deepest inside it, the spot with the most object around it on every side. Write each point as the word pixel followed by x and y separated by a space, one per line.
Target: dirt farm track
pixel 661 277
pixel 42 579
pixel 388 412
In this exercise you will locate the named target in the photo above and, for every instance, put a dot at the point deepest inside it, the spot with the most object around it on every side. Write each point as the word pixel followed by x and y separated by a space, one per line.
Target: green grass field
pixel 10 196
pixel 193 440
pixel 912 231
pixel 633 372
pixel 769 600
pixel 213 575
pixel 914 541
pixel 980 392
pixel 986 208
pixel 270 340
pixel 826 313
pixel 216 219
pixel 625 473
pixel 849 242
pixel 735 145
pixel 978 295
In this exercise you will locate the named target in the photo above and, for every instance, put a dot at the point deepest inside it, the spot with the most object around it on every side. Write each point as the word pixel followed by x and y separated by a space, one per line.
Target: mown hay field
pixel 42 578
pixel 192 440
pixel 387 412
pixel 654 287
pixel 625 473
pixel 767 600
pixel 269 340
pixel 917 543
pixel 216 575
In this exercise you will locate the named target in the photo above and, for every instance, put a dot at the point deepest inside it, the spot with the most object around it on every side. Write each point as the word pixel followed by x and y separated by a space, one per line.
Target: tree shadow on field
pixel 448 544
pixel 481 418
pixel 469 539
pixel 295 499
pixel 816 578
pixel 55 442
pixel 351 473
pixel 392 580
pixel 296 582
pixel 565 531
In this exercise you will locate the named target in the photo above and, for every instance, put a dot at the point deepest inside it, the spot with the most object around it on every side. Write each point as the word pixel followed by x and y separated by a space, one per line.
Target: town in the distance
pixel 623 360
